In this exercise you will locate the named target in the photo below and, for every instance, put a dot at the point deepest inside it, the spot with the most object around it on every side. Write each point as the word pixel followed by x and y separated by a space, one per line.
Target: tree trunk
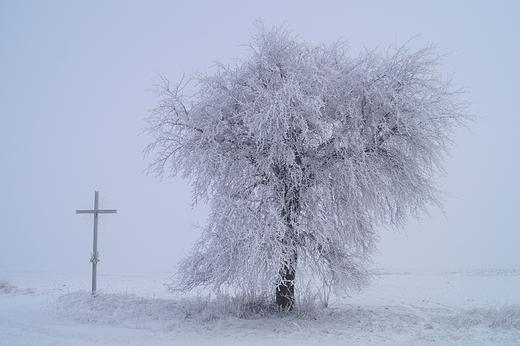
pixel 285 290
pixel 285 297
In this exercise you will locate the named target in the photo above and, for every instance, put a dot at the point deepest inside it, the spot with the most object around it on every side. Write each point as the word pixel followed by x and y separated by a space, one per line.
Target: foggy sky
pixel 73 95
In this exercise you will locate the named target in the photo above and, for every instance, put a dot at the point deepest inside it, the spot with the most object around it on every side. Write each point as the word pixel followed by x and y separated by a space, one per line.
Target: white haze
pixel 73 95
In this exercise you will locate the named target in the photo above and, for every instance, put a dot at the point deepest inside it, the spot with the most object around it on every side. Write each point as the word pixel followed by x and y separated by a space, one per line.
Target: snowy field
pixel 402 307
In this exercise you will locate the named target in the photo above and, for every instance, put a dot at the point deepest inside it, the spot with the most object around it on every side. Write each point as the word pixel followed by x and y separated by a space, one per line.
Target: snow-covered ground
pixel 402 307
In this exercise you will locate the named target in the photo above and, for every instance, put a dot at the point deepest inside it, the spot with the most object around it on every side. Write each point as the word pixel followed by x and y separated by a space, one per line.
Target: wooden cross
pixel 95 254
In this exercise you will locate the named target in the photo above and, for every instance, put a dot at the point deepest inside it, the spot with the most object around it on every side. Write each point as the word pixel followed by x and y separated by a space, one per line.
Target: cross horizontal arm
pixel 104 211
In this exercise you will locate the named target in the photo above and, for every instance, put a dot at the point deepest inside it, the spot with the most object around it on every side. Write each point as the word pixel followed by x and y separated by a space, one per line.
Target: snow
pixel 405 307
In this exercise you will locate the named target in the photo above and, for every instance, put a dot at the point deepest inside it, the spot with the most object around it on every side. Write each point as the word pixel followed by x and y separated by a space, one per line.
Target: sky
pixel 74 90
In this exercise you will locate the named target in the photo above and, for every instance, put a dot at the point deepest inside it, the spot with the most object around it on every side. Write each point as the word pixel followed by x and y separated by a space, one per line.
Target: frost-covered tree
pixel 302 152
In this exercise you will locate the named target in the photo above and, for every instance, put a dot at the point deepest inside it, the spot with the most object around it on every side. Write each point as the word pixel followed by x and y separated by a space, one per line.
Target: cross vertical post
pixel 95 254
